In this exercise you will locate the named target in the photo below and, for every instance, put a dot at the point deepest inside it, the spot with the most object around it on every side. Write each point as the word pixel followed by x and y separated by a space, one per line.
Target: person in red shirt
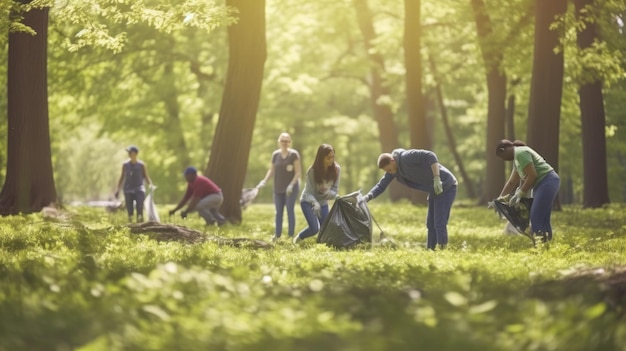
pixel 204 196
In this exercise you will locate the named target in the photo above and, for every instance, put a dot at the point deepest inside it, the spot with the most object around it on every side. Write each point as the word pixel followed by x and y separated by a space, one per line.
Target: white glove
pixel 437 185
pixel 261 184
pixel 515 199
pixel 289 189
pixel 317 209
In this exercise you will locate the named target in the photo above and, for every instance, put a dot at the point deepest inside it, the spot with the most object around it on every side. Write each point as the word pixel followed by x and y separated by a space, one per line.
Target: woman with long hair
pixel 535 174
pixel 285 168
pixel 322 182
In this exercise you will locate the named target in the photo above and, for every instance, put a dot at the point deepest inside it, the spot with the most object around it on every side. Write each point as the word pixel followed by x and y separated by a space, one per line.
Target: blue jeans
pixel 280 201
pixel 311 219
pixel 544 194
pixel 437 217
pixel 134 199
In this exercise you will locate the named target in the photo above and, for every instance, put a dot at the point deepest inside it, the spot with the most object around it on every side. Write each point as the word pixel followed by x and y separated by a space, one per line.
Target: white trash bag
pixel 148 204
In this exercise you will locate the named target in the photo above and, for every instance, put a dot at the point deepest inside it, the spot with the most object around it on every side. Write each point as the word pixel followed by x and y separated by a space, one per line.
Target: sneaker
pixel 140 219
pixel 296 239
pixel 275 238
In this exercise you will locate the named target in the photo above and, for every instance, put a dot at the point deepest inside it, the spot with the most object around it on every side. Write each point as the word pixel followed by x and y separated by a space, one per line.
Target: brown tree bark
pixel 496 106
pixel 29 182
pixel 412 43
pixel 595 179
pixel 546 87
pixel 240 101
pixel 467 181
pixel 387 132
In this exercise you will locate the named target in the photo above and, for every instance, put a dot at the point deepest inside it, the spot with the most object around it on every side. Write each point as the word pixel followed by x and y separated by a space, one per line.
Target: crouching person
pixel 204 196
pixel 421 170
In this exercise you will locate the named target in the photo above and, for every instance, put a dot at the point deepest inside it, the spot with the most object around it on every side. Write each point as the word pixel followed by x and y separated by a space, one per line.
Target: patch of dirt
pixel 608 284
pixel 169 232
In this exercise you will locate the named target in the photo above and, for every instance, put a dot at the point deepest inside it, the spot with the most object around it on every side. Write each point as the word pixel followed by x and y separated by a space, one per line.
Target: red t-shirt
pixel 200 188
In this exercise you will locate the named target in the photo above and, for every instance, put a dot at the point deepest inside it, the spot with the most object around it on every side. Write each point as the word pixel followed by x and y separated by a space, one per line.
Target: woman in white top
pixel 322 182
pixel 286 169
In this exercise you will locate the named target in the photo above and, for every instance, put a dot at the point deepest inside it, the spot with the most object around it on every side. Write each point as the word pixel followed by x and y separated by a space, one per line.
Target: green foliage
pixel 89 284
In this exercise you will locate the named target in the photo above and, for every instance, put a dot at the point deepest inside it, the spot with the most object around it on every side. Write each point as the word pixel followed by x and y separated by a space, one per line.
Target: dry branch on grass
pixel 169 232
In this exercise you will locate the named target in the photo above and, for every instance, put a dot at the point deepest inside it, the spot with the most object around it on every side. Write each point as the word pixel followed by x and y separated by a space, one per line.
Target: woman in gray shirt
pixel 286 169
pixel 322 182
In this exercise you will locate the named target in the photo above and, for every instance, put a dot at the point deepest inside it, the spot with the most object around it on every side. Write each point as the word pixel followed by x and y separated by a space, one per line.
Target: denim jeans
pixel 544 194
pixel 134 199
pixel 280 201
pixel 437 217
pixel 208 208
pixel 311 219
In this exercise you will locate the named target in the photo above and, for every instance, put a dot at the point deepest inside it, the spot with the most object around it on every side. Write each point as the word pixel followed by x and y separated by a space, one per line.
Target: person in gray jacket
pixel 322 182
pixel 421 170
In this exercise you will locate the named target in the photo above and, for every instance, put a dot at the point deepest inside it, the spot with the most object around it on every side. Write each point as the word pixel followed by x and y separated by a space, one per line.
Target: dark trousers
pixel 311 219
pixel 134 199
pixel 437 218
pixel 544 194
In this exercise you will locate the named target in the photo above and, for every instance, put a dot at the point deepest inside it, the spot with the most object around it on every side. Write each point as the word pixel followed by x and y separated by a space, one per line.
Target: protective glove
pixel 172 212
pixel 437 185
pixel 367 197
pixel 289 189
pixel 515 199
pixel 261 184
pixel 317 209
pixel 183 214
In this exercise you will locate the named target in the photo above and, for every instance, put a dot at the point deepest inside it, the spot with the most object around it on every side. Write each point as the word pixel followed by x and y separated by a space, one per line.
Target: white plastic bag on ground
pixel 148 204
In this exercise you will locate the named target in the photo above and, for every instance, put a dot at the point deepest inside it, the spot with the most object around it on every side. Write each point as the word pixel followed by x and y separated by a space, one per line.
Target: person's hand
pixel 117 194
pixel 289 189
pixel 437 185
pixel 172 212
pixel 515 199
pixel 367 197
pixel 317 209
pixel 183 214
pixel 261 184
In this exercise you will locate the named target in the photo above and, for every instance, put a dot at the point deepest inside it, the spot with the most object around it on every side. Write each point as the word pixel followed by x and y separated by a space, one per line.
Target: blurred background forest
pixel 113 83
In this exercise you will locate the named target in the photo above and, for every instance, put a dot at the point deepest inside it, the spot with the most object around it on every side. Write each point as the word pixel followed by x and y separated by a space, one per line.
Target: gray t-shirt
pixel 284 169
pixel 133 177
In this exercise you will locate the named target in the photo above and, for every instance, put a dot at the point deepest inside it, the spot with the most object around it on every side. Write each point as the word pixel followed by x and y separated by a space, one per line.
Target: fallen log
pixel 170 232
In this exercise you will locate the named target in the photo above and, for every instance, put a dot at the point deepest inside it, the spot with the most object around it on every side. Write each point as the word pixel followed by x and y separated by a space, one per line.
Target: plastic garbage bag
pixel 519 216
pixel 348 223
pixel 247 195
pixel 148 204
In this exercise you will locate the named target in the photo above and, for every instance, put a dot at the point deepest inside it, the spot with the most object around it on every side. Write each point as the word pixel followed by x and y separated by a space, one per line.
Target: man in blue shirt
pixel 421 170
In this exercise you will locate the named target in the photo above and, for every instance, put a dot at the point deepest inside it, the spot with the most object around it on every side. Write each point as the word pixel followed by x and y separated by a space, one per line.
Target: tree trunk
pixel 496 110
pixel 595 183
pixel 413 64
pixel 546 87
pixel 467 181
pixel 29 182
pixel 387 132
pixel 510 113
pixel 240 101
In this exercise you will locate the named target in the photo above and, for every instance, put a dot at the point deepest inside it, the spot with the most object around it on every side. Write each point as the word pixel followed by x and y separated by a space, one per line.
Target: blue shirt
pixel 414 171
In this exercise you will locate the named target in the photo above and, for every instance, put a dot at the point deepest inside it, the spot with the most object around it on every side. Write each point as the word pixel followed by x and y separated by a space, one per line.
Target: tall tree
pixel 29 183
pixel 240 101
pixel 595 184
pixel 412 42
pixel 379 92
pixel 546 87
pixel 493 56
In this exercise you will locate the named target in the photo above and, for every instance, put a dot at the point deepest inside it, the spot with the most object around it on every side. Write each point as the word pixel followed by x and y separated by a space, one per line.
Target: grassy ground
pixel 89 284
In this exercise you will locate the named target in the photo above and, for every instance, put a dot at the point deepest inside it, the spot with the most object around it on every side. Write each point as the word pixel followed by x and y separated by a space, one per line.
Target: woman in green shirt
pixel 536 174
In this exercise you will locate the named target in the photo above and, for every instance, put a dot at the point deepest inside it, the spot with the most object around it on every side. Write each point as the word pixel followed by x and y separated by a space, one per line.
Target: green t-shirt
pixel 524 156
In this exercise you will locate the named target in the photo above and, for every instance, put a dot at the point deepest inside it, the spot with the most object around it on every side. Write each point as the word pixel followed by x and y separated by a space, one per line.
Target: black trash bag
pixel 348 223
pixel 518 216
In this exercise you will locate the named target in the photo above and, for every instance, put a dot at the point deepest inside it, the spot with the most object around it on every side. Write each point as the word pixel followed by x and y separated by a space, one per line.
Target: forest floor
pixel 87 281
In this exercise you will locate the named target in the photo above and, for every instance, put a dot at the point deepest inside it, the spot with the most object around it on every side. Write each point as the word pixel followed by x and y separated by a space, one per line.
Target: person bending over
pixel 204 197
pixel 421 170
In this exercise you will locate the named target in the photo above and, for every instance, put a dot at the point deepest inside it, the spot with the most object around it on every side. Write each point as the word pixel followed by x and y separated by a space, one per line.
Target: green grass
pixel 89 284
